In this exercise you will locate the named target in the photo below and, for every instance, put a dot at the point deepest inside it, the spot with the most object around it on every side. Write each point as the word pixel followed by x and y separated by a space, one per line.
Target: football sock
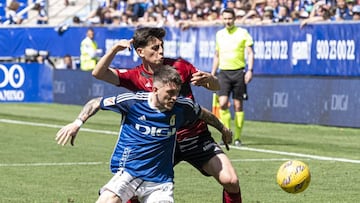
pixel 231 197
pixel 133 200
pixel 225 117
pixel 239 123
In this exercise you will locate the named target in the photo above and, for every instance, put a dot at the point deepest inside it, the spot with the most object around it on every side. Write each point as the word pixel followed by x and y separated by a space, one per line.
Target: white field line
pixel 315 157
pixel 55 126
pixel 262 160
pixel 52 164
pixel 102 163
pixel 323 158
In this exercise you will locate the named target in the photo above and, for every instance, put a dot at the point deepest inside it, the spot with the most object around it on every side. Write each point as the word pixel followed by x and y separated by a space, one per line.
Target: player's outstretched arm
pixel 212 120
pixel 70 131
pixel 102 70
pixel 201 78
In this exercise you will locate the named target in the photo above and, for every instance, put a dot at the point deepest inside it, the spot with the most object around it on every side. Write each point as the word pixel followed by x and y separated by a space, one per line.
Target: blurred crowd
pixel 205 12
pixel 12 11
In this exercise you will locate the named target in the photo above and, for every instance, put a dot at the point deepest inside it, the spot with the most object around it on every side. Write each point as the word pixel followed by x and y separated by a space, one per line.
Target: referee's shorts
pixel 233 82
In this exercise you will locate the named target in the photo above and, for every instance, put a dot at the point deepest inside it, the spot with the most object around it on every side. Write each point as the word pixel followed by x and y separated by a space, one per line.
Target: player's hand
pixel 67 133
pixel 227 137
pixel 123 44
pixel 201 78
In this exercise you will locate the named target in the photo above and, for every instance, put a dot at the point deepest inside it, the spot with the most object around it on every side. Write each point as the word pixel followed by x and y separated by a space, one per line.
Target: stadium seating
pixel 59 13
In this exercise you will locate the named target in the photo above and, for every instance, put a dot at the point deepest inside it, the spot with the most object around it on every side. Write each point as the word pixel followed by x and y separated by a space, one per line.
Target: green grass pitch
pixel 33 168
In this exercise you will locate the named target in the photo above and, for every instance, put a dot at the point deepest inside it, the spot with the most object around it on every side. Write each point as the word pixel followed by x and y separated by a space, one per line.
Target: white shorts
pixel 126 186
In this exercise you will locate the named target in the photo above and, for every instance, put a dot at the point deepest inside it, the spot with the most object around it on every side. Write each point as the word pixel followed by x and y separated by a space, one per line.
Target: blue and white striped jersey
pixel 146 143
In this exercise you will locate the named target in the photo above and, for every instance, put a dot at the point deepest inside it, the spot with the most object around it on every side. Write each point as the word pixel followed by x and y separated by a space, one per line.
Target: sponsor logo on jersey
pixel 155 131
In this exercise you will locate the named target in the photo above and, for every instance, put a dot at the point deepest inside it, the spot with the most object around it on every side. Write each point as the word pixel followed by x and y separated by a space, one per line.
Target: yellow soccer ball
pixel 293 176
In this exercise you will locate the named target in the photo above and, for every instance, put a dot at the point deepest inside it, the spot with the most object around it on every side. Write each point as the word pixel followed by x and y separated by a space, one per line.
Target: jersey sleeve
pixel 191 110
pixel 216 41
pixel 129 79
pixel 119 104
pixel 249 40
pixel 184 68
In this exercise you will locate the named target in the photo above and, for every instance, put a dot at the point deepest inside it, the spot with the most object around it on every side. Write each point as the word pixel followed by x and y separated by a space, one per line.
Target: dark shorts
pixel 197 150
pixel 232 82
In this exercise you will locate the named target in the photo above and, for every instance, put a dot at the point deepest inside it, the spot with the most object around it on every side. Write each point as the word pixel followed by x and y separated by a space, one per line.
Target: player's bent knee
pixel 227 174
pixel 229 180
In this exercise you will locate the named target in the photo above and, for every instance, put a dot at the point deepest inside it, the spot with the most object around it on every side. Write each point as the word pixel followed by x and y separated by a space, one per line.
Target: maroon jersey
pixel 138 79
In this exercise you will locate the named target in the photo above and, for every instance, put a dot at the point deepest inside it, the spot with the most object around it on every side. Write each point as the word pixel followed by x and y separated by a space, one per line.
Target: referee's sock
pixel 225 117
pixel 239 123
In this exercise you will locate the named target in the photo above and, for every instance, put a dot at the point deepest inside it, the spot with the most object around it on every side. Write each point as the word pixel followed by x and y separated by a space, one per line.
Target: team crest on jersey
pixel 109 101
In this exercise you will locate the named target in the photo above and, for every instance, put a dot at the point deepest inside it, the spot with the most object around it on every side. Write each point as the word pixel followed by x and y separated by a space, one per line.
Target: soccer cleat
pixel 237 143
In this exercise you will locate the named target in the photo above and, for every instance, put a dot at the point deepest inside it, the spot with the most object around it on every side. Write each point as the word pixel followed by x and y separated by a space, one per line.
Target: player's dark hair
pixel 229 10
pixel 144 35
pixel 167 74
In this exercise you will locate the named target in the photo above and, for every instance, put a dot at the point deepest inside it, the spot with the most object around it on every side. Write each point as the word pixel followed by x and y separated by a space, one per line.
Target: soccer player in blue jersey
pixel 142 160
pixel 195 144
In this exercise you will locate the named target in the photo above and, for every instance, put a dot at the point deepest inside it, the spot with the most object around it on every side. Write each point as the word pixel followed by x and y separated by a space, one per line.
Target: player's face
pixel 166 96
pixel 153 53
pixel 228 20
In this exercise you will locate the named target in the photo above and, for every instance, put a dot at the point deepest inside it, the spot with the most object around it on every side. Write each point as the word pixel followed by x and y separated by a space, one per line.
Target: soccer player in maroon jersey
pixel 194 143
